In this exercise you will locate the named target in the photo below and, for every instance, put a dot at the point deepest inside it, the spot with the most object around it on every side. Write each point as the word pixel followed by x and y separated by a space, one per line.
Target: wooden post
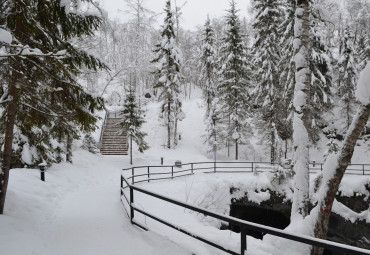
pixel 133 175
pixel 172 172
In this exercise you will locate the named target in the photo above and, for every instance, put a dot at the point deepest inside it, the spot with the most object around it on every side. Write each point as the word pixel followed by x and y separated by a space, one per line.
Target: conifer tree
pixel 266 52
pixel 234 80
pixel 132 121
pixel 40 71
pixel 169 60
pixel 347 75
pixel 321 74
pixel 207 65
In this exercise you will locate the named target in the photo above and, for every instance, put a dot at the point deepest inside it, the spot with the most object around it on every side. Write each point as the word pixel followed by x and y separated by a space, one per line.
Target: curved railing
pixel 160 172
pixel 148 173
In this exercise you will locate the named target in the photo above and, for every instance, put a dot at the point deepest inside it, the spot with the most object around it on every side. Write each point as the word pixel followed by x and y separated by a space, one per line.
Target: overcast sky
pixel 194 11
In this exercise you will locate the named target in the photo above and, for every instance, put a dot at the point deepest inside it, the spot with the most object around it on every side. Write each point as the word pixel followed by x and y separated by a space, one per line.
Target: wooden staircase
pixel 111 142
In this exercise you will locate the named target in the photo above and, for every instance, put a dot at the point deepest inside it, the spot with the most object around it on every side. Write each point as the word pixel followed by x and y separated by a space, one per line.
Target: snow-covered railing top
pixel 244 225
pixel 160 172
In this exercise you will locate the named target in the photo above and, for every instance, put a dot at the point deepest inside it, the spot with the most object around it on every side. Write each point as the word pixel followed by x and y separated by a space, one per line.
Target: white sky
pixel 194 12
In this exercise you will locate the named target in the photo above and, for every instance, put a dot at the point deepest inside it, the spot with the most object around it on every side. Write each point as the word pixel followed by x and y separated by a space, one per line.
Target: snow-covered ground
pixel 78 209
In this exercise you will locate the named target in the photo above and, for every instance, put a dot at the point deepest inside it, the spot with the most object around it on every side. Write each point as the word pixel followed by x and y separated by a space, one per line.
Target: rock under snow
pixel 363 86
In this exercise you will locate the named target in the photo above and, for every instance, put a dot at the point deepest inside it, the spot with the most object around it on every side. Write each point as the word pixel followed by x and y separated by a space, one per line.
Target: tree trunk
pixel 8 142
pixel 130 150
pixel 272 149
pixel 343 158
pixel 302 118
pixel 169 125
pixel 69 149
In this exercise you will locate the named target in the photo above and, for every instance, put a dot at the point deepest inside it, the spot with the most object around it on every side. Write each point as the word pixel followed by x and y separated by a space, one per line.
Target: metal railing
pixel 245 226
pixel 103 127
pixel 161 172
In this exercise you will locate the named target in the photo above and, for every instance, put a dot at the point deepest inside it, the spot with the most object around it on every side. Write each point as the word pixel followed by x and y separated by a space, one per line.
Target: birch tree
pixel 301 119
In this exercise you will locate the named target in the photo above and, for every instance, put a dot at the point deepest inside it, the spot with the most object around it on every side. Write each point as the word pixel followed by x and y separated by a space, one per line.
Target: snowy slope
pixel 76 211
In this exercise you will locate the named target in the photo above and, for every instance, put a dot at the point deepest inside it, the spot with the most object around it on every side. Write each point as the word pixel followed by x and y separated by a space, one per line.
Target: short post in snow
pixel 243 241
pixel 42 167
pixel 162 161
pixel 313 163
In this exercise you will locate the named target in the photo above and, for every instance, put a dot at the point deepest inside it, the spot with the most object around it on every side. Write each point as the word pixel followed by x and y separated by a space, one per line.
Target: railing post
pixel 214 167
pixel 243 240
pixel 131 203
pixel 148 174
pixel 192 170
pixel 321 167
pixel 363 169
pixel 252 167
pixel 172 172
pixel 121 185
pixel 133 174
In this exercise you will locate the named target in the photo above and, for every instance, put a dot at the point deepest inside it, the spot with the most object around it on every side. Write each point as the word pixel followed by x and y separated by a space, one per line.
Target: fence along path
pixel 148 173
pixel 160 172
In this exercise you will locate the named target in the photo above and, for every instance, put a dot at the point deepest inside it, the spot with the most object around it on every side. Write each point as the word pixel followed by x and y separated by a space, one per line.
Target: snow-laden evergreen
pixel 168 65
pixel 266 56
pixel 207 65
pixel 347 75
pixel 287 66
pixel 321 73
pixel 132 121
pixel 233 81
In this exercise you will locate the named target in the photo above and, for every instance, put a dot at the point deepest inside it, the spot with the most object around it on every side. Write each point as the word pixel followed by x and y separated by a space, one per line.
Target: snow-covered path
pixel 76 211
pixel 93 222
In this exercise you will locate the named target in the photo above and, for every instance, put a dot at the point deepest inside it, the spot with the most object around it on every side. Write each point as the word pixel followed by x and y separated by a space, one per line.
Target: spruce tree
pixel 266 54
pixel 321 74
pixel 132 121
pixel 207 65
pixel 41 70
pixel 234 80
pixel 347 75
pixel 169 60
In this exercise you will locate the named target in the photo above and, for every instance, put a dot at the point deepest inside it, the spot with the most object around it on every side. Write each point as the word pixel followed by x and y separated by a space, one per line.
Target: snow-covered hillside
pixel 78 209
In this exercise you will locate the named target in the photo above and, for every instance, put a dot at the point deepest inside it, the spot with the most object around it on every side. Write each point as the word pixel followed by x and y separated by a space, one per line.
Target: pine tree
pixel 266 52
pixel 234 80
pixel 169 61
pixel 347 74
pixel 41 69
pixel 321 74
pixel 132 121
pixel 207 65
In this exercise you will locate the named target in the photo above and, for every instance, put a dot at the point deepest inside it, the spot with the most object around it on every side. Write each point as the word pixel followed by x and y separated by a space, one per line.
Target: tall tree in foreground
pixel 301 119
pixel 169 61
pixel 266 51
pixel 132 121
pixel 336 164
pixel 40 70
pixel 234 80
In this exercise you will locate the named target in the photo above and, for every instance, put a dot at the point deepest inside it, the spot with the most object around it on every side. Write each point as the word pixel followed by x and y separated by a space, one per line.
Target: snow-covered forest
pixel 286 80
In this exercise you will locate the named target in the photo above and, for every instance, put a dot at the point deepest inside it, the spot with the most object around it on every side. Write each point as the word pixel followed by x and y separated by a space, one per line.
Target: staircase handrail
pixel 103 127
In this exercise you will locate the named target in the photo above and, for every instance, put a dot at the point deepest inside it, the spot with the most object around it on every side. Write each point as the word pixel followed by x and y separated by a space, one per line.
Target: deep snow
pixel 78 209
